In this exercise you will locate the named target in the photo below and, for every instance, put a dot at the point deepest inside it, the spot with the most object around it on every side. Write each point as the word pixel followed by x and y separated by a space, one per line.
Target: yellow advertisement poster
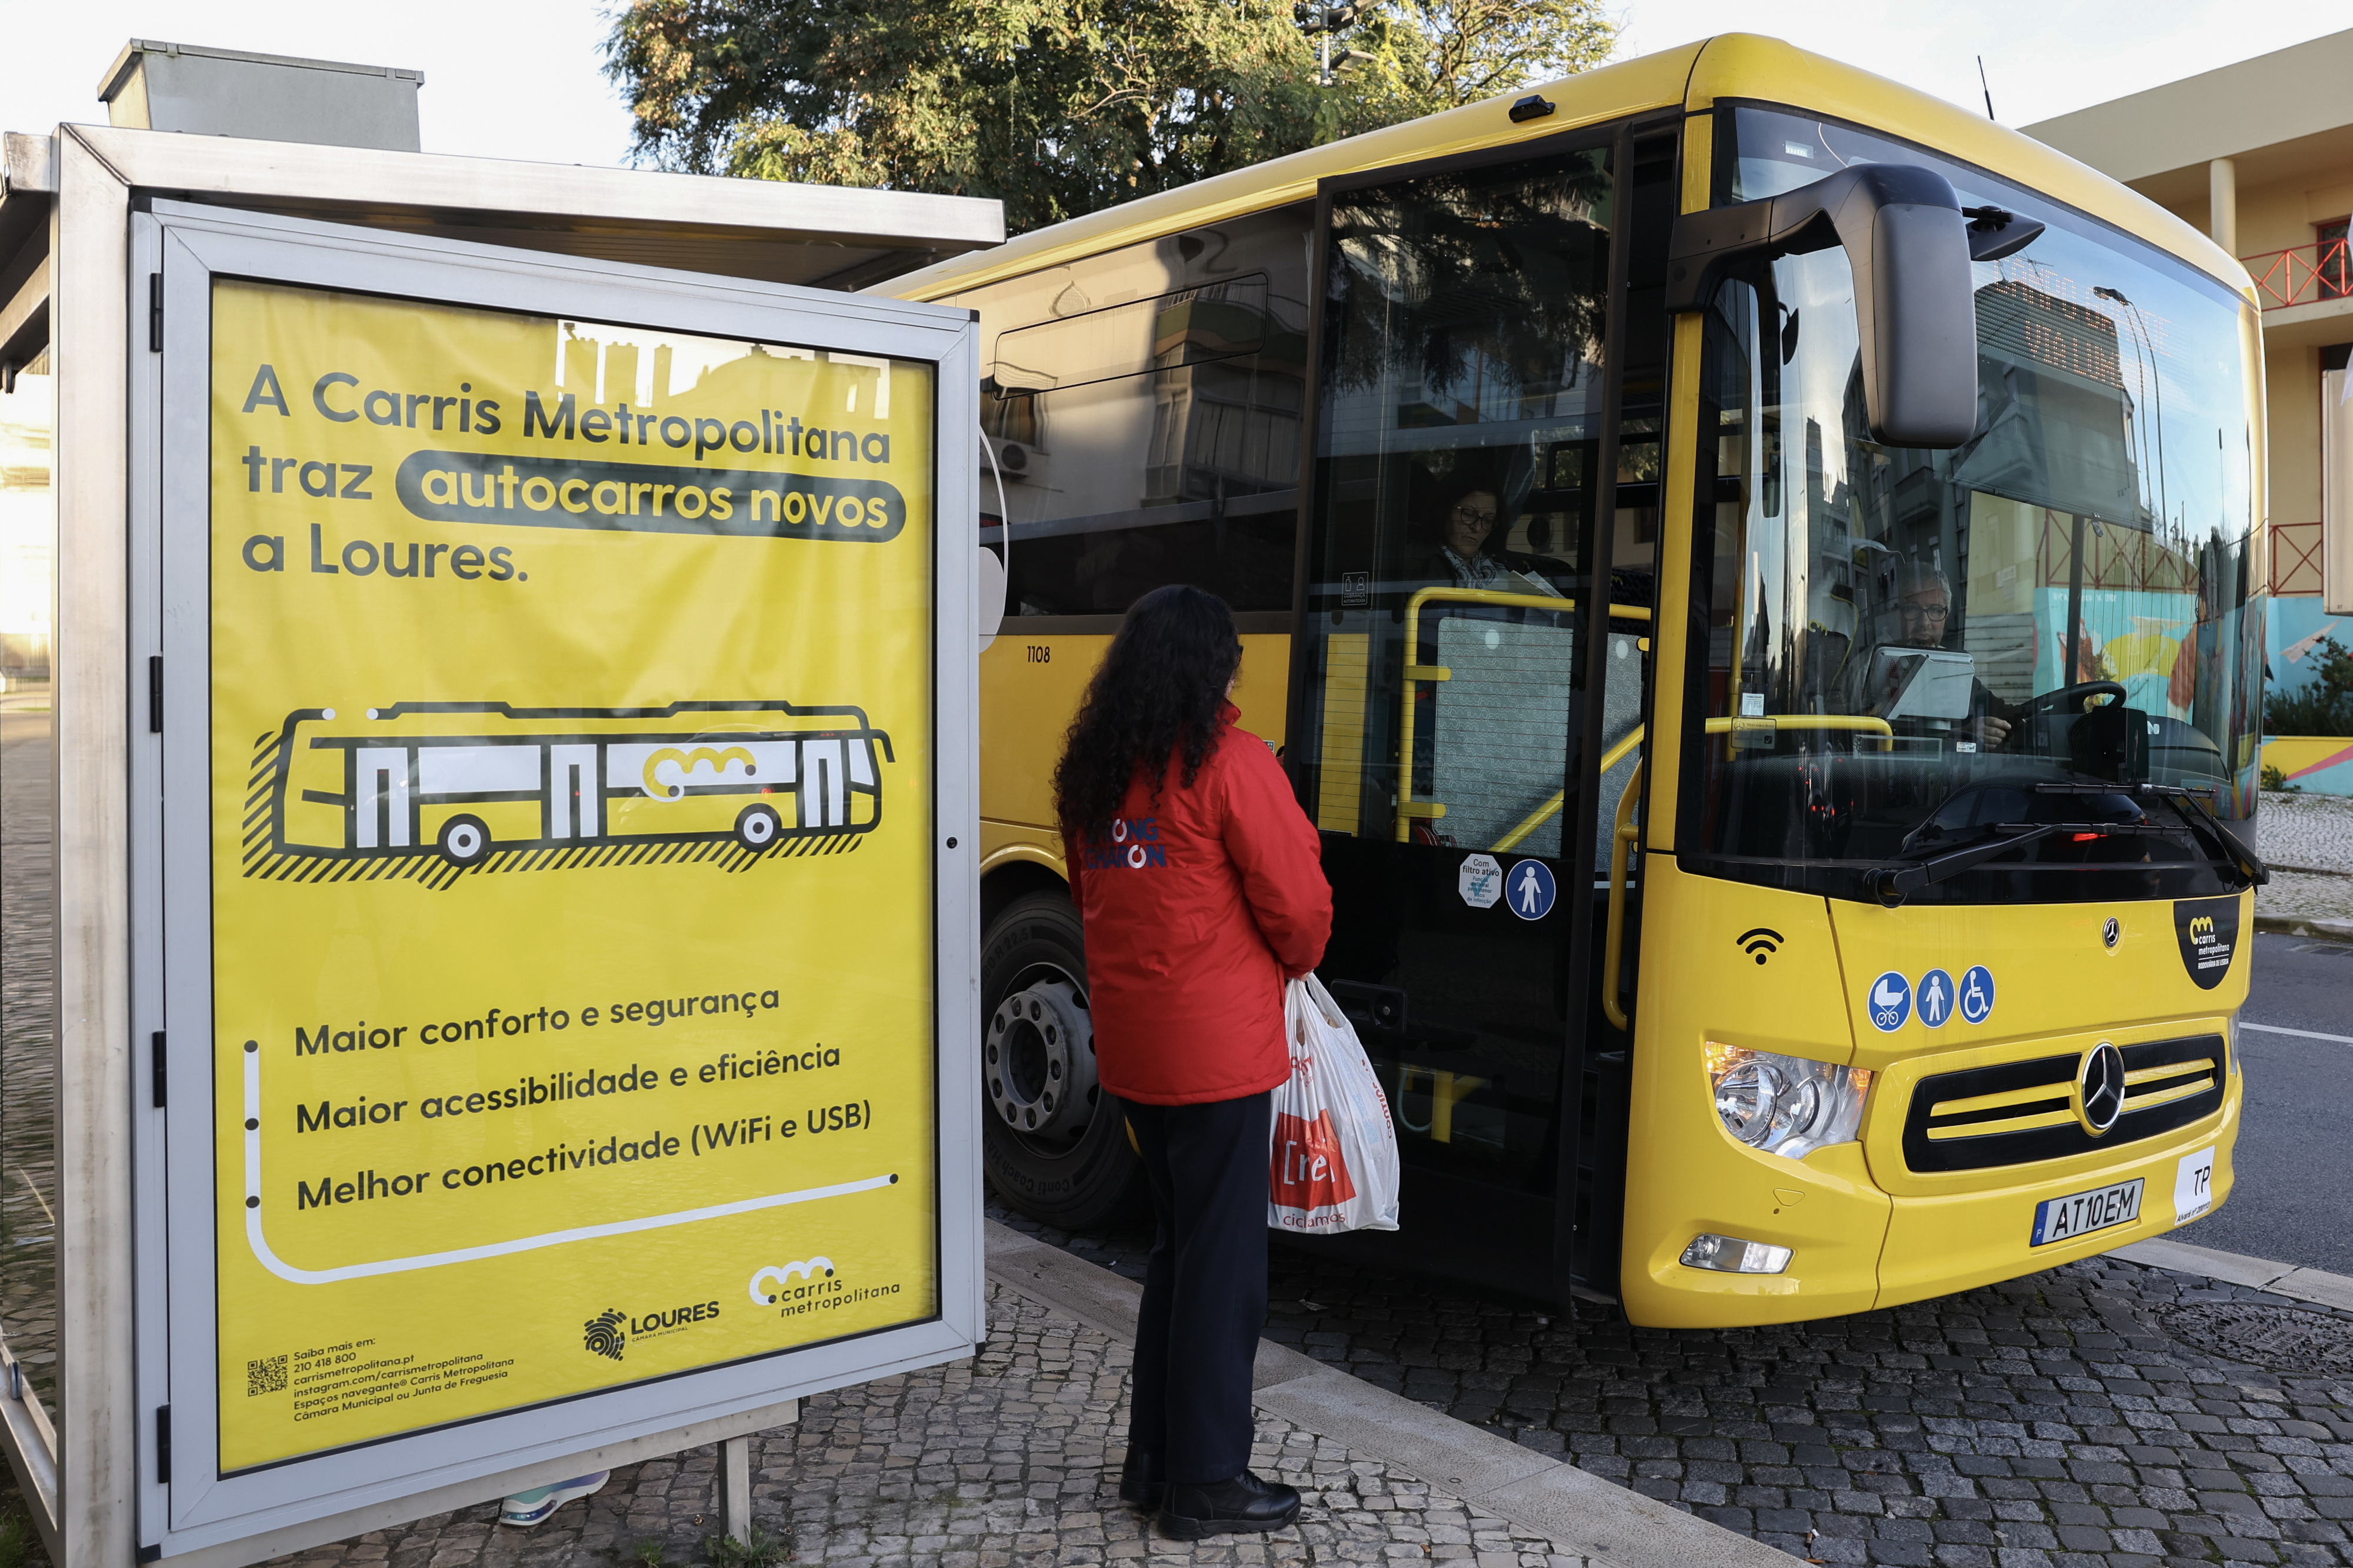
pixel 571 705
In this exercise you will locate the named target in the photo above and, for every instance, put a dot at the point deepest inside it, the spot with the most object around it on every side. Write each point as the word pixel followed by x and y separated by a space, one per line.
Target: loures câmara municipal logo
pixel 602 1334
pixel 2208 929
pixel 608 1333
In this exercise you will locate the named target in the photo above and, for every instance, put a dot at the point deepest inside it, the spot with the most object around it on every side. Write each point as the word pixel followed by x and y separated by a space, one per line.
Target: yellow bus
pixel 1754 572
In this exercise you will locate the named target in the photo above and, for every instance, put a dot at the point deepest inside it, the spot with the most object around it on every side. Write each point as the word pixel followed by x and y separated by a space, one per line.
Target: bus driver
pixel 1925 601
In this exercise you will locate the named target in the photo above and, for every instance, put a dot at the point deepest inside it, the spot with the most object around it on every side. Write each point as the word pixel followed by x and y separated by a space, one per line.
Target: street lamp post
pixel 1321 22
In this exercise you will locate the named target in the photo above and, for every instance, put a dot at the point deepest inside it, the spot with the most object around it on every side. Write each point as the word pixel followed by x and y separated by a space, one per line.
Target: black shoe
pixel 1228 1507
pixel 1143 1478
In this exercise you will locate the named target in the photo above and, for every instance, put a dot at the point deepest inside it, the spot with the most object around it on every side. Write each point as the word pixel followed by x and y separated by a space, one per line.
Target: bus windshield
pixel 1914 652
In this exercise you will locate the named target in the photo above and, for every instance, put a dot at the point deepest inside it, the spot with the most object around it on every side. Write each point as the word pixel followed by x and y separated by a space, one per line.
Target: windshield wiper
pixel 2130 790
pixel 1890 885
pixel 2235 856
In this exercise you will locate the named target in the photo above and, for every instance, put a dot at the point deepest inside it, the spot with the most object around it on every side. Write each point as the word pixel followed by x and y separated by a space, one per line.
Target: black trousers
pixel 1204 1285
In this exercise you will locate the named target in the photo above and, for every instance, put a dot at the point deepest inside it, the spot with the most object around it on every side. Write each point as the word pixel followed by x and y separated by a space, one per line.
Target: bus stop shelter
pixel 88 213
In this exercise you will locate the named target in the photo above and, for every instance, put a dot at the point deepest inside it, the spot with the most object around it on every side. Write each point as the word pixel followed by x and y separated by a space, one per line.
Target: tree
pixel 1055 106
pixel 2322 705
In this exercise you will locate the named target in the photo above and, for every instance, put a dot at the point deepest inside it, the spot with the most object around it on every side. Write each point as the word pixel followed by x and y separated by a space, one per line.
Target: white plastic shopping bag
pixel 1334 1163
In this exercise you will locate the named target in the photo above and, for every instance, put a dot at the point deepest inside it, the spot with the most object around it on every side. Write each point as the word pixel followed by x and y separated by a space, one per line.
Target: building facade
pixel 2260 155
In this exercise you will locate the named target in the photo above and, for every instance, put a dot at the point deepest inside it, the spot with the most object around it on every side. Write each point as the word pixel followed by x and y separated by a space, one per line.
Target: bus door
pixel 1460 687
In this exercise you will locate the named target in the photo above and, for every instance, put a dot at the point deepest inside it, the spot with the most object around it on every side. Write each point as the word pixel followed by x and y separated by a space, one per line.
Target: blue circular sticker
pixel 1936 995
pixel 1976 994
pixel 1529 889
pixel 1889 1002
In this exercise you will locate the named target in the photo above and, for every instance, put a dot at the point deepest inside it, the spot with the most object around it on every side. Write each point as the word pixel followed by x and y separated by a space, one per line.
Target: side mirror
pixel 1909 244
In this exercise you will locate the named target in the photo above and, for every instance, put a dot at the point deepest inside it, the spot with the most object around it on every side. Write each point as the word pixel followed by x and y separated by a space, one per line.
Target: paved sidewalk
pixel 2308 841
pixel 2063 1420
pixel 1012 1458
pixel 2314 832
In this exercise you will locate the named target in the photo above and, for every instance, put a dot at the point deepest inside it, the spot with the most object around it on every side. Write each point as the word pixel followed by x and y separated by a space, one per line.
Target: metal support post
pixel 735 1488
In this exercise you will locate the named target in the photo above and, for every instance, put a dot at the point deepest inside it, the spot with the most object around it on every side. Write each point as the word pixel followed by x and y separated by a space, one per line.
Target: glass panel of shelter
pixel 1461 397
pixel 28 1170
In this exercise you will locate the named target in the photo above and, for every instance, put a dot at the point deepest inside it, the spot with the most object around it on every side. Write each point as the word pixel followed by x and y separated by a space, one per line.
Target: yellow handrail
pixel 1416 674
pixel 1536 819
pixel 1614 944
pixel 1862 721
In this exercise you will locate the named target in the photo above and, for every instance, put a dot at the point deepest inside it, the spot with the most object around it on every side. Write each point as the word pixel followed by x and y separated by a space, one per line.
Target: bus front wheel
pixel 757 826
pixel 1053 1143
pixel 464 840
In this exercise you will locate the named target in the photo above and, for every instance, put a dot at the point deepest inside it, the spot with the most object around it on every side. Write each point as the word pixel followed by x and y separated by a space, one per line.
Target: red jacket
pixel 1198 907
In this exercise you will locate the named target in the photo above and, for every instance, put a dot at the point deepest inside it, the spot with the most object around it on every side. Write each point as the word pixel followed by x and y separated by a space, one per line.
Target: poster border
pixel 187 247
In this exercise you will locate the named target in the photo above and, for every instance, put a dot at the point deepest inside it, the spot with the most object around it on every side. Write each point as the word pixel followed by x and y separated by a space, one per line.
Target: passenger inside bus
pixel 1465 546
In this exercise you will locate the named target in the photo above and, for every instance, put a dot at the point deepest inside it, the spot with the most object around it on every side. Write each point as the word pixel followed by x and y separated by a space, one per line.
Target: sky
pixel 522 78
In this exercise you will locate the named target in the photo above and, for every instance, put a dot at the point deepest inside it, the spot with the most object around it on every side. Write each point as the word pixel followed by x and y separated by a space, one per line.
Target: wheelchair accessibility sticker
pixel 1976 994
pixel 437 789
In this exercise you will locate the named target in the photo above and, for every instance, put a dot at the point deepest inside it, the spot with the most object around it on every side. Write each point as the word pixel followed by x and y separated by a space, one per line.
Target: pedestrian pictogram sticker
pixel 1531 890
pixel 1936 998
pixel 1479 881
pixel 1976 994
pixel 1889 1002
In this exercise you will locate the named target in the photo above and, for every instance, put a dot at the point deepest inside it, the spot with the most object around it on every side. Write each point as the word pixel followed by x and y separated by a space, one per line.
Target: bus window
pixel 1911 651
pixel 1144 406
pixel 1460 392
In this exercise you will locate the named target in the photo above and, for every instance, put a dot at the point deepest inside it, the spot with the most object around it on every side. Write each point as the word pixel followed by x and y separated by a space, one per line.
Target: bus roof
pixel 1695 76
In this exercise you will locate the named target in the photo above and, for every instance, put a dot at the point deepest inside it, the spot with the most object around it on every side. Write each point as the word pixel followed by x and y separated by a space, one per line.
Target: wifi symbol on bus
pixel 1760 944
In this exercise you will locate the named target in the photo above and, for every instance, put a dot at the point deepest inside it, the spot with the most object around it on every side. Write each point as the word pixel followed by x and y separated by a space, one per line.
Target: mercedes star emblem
pixel 2112 930
pixel 2100 1087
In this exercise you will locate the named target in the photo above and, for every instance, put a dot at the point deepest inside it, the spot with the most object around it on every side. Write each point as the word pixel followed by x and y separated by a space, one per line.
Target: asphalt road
pixel 2294 1201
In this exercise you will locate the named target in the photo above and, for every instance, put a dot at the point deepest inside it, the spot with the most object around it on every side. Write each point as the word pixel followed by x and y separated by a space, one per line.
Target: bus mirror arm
pixel 1910 246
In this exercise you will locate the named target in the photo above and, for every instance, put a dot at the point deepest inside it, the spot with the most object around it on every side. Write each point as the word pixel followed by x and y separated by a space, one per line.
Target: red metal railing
pixel 2305 275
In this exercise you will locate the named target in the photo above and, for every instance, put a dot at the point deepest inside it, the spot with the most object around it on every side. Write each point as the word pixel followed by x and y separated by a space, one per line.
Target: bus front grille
pixel 2013 1113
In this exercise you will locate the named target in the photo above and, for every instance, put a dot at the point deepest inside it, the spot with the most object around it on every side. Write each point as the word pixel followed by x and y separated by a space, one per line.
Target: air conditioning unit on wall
pixel 1014 460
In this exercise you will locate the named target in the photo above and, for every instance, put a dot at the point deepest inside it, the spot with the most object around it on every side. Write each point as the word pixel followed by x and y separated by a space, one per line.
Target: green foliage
pixel 761 1551
pixel 2324 705
pixel 20 1545
pixel 2272 779
pixel 651 1553
pixel 1057 109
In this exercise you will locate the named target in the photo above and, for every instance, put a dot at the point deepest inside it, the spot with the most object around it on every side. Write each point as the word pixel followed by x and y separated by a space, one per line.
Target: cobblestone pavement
pixel 2314 831
pixel 1010 1460
pixel 2044 1423
pixel 2306 896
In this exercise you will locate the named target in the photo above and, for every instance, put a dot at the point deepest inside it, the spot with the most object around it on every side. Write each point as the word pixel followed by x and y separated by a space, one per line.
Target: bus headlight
pixel 1785 1105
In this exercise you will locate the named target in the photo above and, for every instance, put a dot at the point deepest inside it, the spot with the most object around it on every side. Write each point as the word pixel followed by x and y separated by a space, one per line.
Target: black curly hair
pixel 1161 686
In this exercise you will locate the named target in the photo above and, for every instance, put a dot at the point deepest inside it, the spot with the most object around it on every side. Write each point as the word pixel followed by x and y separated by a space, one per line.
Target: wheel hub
pixel 1037 1061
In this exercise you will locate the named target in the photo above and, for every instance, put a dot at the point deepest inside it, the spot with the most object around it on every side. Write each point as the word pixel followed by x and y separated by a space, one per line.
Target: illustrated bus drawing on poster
pixel 437 789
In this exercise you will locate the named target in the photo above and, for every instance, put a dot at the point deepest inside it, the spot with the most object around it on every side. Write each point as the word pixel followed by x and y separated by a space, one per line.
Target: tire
pixel 1083 1171
pixel 464 840
pixel 758 827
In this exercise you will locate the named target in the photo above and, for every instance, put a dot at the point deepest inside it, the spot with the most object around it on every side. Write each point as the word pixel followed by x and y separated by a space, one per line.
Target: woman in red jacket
pixel 1200 885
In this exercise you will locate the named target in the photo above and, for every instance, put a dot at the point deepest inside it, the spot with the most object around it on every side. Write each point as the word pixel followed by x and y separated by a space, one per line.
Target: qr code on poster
pixel 267 1375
